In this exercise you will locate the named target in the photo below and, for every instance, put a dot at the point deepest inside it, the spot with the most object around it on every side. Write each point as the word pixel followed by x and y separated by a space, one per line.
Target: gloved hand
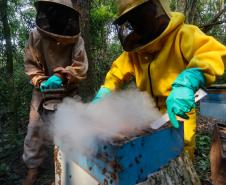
pixel 103 91
pixel 54 82
pixel 182 97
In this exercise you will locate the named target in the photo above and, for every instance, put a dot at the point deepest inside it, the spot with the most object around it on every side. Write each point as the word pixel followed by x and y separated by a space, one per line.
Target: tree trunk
pixel 9 66
pixel 87 88
pixel 190 11
pixel 179 172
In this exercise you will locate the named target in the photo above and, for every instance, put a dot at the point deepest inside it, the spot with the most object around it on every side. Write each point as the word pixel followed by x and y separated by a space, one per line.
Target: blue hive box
pixel 214 104
pixel 128 161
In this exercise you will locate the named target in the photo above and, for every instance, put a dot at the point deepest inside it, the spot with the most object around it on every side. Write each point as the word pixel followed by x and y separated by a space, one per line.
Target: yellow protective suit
pixel 156 65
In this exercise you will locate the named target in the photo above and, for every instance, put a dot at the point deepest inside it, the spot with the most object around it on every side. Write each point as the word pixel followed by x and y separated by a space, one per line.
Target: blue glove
pixel 182 97
pixel 54 82
pixel 103 91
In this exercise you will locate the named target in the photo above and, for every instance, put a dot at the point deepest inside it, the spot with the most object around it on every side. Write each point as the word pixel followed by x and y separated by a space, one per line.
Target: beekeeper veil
pixel 141 21
pixel 58 17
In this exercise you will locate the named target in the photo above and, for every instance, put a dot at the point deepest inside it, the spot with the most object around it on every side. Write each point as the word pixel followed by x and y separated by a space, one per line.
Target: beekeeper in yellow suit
pixel 169 59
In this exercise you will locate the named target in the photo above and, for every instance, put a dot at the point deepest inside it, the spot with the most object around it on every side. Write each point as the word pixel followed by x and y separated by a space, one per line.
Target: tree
pixel 204 13
pixel 9 65
pixel 87 87
pixel 101 46
pixel 16 20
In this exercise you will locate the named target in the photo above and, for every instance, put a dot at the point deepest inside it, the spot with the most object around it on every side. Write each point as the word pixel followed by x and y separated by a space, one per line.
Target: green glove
pixel 103 91
pixel 54 82
pixel 182 97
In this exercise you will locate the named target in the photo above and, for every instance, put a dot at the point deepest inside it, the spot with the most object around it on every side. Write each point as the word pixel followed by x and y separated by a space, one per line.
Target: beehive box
pixel 214 104
pixel 126 160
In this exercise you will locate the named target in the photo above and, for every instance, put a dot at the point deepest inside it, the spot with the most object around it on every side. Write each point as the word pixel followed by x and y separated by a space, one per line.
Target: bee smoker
pixel 51 98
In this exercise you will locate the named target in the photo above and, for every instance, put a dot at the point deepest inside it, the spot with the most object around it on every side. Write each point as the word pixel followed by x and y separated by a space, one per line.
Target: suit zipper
pixel 150 81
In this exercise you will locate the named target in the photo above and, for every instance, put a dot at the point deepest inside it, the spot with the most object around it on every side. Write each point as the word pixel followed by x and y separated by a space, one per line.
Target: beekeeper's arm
pixel 206 58
pixel 32 64
pixel 121 71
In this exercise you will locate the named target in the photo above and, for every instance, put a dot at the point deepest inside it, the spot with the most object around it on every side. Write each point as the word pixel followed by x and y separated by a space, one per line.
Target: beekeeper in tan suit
pixel 55 57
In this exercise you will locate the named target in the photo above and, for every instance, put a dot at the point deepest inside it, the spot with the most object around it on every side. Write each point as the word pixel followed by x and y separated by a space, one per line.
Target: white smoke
pixel 77 125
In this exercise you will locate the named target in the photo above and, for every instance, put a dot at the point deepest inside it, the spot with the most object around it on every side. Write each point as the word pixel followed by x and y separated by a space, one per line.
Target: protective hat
pixel 140 21
pixel 59 17
pixel 68 3
pixel 125 6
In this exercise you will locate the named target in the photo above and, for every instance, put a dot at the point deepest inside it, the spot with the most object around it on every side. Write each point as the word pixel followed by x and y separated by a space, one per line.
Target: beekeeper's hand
pixel 182 97
pixel 102 92
pixel 53 82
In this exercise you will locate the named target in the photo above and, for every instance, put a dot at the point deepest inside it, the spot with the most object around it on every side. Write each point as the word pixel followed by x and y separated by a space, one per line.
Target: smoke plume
pixel 78 126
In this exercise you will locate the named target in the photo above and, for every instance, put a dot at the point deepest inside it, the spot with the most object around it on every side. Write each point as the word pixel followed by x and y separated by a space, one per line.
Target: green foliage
pixel 104 44
pixel 23 94
pixel 23 90
pixel 100 22
pixel 21 21
pixel 9 150
pixel 202 163
pixel 101 15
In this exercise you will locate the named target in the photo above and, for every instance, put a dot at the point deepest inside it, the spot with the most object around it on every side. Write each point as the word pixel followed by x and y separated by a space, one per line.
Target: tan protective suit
pixel 156 65
pixel 47 54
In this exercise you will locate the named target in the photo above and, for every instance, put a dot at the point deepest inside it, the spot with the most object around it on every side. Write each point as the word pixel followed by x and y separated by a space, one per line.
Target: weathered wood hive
pixel 214 106
pixel 218 155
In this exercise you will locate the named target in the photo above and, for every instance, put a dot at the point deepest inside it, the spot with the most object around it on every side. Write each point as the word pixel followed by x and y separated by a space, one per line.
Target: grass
pixel 12 168
pixel 202 162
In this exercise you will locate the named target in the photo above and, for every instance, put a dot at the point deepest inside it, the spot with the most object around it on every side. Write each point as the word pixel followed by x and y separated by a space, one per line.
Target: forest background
pixel 17 19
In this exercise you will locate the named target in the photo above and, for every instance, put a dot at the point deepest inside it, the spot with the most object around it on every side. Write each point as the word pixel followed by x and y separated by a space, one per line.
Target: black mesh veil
pixel 58 19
